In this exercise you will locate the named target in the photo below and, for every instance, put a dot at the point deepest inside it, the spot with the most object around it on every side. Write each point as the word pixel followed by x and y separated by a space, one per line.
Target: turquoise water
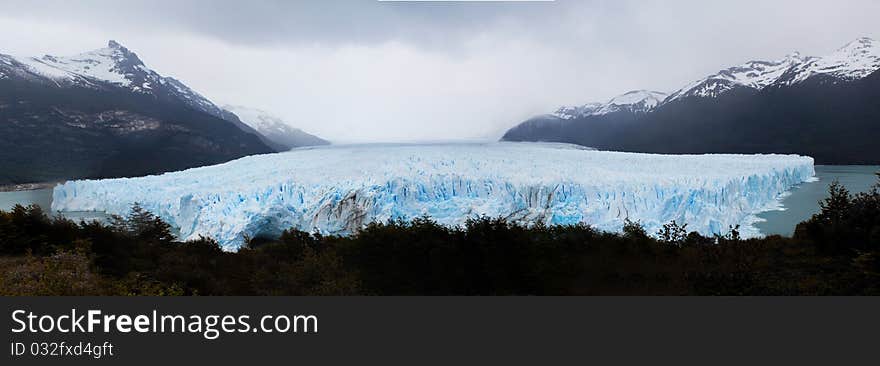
pixel 804 199
pixel 799 206
pixel 43 198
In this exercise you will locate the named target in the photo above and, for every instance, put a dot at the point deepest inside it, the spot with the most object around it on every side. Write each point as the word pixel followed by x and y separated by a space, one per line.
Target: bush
pixel 60 274
pixel 846 223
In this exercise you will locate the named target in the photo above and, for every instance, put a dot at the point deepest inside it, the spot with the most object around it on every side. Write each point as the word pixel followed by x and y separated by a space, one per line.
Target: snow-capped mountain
pixel 111 67
pixel 753 74
pixel 572 112
pixel 104 113
pixel 275 129
pixel 854 61
pixel 825 107
pixel 636 101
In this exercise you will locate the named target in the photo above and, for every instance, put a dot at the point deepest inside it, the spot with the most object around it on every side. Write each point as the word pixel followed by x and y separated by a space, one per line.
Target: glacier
pixel 339 189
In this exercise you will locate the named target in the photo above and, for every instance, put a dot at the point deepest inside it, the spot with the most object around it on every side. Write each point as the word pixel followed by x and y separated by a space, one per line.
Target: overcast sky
pixel 363 70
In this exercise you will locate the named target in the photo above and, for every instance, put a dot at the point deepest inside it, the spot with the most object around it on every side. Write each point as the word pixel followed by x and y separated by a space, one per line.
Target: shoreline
pixel 26 187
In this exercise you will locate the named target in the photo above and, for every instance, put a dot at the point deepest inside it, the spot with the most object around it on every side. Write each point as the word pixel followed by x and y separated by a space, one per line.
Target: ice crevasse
pixel 339 189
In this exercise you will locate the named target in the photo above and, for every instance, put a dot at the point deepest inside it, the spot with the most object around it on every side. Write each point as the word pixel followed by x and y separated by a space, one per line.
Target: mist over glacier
pixel 339 189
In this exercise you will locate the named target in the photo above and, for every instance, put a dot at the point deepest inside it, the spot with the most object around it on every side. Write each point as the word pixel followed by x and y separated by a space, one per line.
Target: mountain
pixel 113 67
pixel 279 134
pixel 855 61
pixel 825 107
pixel 636 101
pixel 604 118
pixel 752 75
pixel 104 113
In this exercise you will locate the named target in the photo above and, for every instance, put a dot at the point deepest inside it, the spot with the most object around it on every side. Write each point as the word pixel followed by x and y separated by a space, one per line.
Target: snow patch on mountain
pixel 105 65
pixel 523 182
pixel 752 74
pixel 111 67
pixel 102 64
pixel 274 128
pixel 854 61
pixel 637 101
pixel 260 120
pixel 572 112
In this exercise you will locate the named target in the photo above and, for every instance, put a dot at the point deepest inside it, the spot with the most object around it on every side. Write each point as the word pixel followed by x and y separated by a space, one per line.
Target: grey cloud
pixel 371 71
pixel 286 21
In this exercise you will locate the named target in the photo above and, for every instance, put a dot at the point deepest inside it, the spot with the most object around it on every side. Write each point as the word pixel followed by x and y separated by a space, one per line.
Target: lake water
pixel 799 206
pixel 43 198
pixel 804 199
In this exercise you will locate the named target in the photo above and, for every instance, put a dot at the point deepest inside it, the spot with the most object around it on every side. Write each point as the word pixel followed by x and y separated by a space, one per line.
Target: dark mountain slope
pixel 49 133
pixel 836 123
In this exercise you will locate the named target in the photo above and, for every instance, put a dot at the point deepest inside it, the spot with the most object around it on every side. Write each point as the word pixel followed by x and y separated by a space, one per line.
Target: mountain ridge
pixel 276 130
pixel 113 66
pixel 805 105
pixel 636 101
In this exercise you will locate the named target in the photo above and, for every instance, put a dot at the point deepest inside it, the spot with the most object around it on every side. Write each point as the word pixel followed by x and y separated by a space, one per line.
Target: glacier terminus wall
pixel 339 189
